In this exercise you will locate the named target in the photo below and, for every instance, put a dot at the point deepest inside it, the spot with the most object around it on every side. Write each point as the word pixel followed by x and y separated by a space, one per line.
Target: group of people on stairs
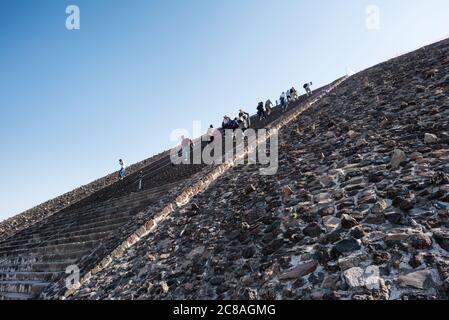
pixel 243 122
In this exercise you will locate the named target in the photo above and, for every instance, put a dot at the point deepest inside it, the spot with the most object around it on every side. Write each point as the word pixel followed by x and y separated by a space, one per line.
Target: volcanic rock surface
pixel 359 208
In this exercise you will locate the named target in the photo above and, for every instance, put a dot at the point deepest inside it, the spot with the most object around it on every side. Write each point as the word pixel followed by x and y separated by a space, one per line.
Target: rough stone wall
pixel 358 210
pixel 15 224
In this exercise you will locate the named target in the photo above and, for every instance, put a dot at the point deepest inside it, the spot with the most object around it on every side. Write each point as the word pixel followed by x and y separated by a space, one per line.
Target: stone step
pixel 158 176
pixel 15 296
pixel 124 188
pixel 122 202
pixel 50 257
pixel 30 276
pixel 28 234
pixel 55 266
pixel 116 205
pixel 97 212
pixel 28 287
pixel 54 249
pixel 77 230
pixel 95 236
pixel 37 234
pixel 90 231
pixel 135 196
pixel 87 222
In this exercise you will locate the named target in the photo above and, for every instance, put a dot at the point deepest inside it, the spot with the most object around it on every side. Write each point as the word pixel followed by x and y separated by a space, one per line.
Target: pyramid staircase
pixel 82 234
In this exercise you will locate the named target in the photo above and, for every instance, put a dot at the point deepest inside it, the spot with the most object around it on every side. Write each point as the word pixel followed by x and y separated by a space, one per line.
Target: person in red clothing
pixel 186 144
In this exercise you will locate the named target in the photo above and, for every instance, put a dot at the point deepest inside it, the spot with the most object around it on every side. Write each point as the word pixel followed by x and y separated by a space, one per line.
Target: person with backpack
pixel 230 124
pixel 122 171
pixel 261 111
pixel 307 88
pixel 234 124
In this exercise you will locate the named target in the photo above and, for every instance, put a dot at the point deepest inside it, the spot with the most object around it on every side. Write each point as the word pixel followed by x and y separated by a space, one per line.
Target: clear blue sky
pixel 74 102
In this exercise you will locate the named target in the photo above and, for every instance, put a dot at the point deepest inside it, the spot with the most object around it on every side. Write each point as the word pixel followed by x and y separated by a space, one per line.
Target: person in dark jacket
pixel 225 123
pixel 261 111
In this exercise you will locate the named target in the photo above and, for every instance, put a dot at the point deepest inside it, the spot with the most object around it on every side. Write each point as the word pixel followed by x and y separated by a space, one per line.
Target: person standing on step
pixel 294 94
pixel 121 173
pixel 307 88
pixel 225 123
pixel 281 101
pixel 289 95
pixel 268 107
pixel 140 180
pixel 186 145
pixel 261 111
pixel 211 133
pixel 245 117
pixel 284 103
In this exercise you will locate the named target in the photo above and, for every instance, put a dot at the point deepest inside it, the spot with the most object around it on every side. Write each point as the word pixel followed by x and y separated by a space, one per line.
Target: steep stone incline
pixel 34 259
pixel 359 208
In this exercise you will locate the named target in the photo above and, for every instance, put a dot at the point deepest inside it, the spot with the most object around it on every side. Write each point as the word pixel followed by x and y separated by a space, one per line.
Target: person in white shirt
pixel 211 132
pixel 284 102
pixel 121 173
pixel 245 117
pixel 294 94
pixel 307 88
